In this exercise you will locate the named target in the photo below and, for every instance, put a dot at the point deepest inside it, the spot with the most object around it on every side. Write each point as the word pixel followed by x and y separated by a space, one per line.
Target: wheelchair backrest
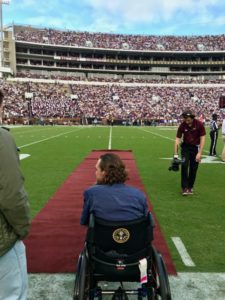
pixel 123 237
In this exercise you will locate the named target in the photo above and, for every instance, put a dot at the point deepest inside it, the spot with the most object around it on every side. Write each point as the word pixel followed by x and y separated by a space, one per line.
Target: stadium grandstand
pixel 75 77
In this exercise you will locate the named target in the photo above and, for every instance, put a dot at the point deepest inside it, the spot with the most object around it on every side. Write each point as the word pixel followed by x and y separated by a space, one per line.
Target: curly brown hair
pixel 115 169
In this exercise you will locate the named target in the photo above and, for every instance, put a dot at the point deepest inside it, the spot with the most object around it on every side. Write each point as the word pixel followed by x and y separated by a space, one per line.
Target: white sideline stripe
pixel 23 156
pixel 27 131
pixel 110 139
pixel 164 137
pixel 52 137
pixel 183 252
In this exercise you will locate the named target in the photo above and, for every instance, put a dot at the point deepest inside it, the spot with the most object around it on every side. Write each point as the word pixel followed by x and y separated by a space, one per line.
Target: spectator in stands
pixel 213 135
pixel 110 198
pixel 159 103
pixel 14 221
pixel 121 41
pixel 193 133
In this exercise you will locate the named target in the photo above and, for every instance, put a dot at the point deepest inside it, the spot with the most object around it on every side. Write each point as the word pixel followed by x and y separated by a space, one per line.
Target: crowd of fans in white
pixel 109 101
pixel 118 41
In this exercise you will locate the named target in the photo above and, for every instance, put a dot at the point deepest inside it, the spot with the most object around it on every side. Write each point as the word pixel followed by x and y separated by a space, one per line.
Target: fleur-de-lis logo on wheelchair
pixel 121 235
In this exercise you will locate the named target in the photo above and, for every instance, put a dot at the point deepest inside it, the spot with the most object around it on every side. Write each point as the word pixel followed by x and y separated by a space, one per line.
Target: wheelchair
pixel 113 252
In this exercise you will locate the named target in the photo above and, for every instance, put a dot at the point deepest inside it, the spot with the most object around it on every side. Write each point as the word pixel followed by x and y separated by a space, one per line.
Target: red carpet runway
pixel 56 238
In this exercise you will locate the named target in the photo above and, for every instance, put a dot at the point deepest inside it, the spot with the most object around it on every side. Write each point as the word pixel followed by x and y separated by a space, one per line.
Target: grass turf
pixel 198 220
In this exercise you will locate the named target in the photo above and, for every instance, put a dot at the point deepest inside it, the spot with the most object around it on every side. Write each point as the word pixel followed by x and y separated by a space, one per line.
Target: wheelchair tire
pixel 166 277
pixel 161 282
pixel 82 281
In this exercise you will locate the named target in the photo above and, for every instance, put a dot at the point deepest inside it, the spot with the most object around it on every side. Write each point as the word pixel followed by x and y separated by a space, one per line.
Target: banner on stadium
pixel 28 95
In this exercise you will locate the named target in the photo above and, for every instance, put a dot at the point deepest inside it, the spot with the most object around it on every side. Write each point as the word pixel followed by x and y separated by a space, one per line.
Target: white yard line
pixel 31 130
pixel 52 137
pixel 23 156
pixel 110 139
pixel 183 252
pixel 164 137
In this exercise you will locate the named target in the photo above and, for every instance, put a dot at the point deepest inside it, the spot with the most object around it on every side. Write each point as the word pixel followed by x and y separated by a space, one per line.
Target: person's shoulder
pixel 94 188
pixel 135 190
pixel 4 130
pixel 181 126
pixel 199 123
pixel 5 135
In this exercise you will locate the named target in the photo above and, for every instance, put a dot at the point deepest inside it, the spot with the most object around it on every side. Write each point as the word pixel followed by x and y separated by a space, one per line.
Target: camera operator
pixel 193 133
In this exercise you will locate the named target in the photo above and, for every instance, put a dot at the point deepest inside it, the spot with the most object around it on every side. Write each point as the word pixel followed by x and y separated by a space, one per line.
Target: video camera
pixel 175 164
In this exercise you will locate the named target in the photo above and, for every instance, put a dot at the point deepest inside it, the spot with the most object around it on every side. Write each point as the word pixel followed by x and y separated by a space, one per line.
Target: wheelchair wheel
pixel 82 281
pixel 160 278
pixel 166 277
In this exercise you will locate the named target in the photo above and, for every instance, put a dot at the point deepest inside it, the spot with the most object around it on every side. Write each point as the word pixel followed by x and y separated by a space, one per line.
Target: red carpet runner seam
pixel 56 238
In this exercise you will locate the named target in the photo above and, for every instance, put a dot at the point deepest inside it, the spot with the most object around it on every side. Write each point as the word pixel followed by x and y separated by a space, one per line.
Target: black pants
pixel 213 137
pixel 189 167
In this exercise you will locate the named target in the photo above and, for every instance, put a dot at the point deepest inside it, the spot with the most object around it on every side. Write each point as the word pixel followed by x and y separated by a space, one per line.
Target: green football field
pixel 198 220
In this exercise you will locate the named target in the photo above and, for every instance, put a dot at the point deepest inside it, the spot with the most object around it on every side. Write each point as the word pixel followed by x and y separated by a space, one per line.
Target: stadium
pixel 70 95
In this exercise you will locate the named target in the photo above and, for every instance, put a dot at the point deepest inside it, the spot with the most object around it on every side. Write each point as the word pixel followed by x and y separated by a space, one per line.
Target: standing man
pixel 213 135
pixel 14 220
pixel 223 137
pixel 193 133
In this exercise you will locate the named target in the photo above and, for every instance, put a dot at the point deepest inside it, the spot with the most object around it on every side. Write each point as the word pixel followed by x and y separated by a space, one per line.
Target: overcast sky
pixel 157 17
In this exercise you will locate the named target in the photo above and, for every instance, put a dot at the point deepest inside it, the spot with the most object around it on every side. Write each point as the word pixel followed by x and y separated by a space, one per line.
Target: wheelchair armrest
pixel 90 229
pixel 151 219
pixel 91 221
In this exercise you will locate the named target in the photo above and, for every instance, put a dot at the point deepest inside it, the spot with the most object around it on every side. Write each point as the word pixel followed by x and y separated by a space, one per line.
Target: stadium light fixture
pixel 1 29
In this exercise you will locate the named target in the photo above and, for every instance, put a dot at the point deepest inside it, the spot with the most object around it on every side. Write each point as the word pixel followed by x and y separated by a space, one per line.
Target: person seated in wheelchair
pixel 110 198
pixel 118 244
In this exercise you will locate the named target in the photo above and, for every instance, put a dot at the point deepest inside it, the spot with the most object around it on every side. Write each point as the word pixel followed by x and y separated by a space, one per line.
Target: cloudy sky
pixel 163 17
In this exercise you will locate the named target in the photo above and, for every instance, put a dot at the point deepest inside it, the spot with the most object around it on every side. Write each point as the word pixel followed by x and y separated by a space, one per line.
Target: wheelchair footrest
pixel 120 294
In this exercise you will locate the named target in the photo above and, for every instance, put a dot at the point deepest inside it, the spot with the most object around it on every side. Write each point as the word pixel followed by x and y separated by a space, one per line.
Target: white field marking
pixel 183 252
pixel 166 128
pixel 157 134
pixel 23 156
pixel 52 137
pixel 110 139
pixel 163 136
pixel 31 130
pixel 15 126
pixel 205 159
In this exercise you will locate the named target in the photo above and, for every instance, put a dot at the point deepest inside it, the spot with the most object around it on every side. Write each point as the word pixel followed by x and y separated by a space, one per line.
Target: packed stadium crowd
pixel 120 79
pixel 108 101
pixel 118 41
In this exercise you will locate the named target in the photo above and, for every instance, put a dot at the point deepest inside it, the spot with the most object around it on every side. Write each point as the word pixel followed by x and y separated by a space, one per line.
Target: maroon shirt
pixel 191 134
